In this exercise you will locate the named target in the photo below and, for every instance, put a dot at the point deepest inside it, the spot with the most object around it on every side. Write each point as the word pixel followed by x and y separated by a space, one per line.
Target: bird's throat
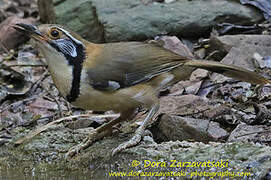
pixel 66 73
pixel 76 63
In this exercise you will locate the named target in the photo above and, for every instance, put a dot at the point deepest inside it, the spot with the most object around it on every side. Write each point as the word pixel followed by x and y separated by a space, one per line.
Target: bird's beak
pixel 30 30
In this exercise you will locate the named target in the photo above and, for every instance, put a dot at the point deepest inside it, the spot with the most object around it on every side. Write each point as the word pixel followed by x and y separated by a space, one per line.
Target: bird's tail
pixel 229 70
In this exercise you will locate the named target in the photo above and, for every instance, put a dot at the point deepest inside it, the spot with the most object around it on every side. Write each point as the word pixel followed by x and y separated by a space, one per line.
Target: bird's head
pixel 55 39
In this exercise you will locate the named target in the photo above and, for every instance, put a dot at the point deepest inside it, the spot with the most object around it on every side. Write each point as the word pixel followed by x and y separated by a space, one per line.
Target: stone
pixel 133 20
pixel 173 44
pixel 242 50
pixel 183 105
pixel 172 128
pixel 9 37
pixel 2 16
pixel 80 16
pixel 225 43
pixel 247 133
pixel 24 2
pixel 199 74
pixel 192 106
pixel 39 156
pixel 107 21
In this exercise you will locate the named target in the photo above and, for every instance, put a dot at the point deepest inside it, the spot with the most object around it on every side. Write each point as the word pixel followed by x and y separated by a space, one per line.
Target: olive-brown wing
pixel 121 65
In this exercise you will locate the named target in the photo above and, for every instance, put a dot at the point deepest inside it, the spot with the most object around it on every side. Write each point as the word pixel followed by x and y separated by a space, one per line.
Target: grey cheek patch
pixel 67 47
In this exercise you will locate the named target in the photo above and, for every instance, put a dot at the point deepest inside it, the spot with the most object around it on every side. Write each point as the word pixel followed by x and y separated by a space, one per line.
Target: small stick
pixel 252 133
pixel 43 128
pixel 18 102
pixel 3 47
pixel 39 81
pixel 27 65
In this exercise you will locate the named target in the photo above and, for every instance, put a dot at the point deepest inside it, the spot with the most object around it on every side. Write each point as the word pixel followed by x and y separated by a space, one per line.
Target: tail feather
pixel 229 70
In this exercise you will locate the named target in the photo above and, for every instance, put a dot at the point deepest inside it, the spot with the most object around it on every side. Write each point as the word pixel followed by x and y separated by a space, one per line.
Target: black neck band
pixel 76 63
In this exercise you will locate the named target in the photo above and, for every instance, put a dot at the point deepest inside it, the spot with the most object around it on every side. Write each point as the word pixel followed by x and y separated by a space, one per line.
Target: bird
pixel 120 76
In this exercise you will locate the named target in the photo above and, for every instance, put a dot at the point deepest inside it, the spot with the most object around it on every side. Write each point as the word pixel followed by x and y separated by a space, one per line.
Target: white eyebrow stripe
pixel 70 36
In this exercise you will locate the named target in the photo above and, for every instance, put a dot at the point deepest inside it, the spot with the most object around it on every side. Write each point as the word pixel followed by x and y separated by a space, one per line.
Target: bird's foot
pixel 140 132
pixel 135 140
pixel 93 136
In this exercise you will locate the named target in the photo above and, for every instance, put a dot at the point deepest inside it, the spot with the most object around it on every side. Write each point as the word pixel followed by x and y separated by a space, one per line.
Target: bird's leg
pixel 139 132
pixel 98 133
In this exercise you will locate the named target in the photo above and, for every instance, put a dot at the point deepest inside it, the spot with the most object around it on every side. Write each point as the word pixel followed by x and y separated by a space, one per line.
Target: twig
pixel 6 51
pixel 47 117
pixel 2 61
pixel 43 128
pixel 18 102
pixel 45 75
pixel 68 105
pixel 3 47
pixel 252 133
pixel 27 65
pixel 222 83
pixel 60 112
pixel 38 82
pixel 59 107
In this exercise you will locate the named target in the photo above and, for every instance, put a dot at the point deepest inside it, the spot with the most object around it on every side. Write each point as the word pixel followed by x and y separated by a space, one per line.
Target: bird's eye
pixel 54 33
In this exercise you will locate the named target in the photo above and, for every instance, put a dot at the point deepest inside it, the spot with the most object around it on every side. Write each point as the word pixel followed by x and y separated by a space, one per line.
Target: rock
pixel 199 109
pixel 135 20
pixel 194 89
pixel 263 114
pixel 46 11
pixel 225 43
pixel 9 37
pixel 241 50
pixel 24 2
pixel 267 176
pixel 86 122
pixel 43 157
pixel 245 133
pixel 173 44
pixel 183 105
pixel 2 16
pixel 172 128
pixel 80 16
pixel 200 53
pixel 199 74
pixel 243 56
pixel 42 107
pixel 169 1
pixel 195 107
pixel 263 5
pixel 192 106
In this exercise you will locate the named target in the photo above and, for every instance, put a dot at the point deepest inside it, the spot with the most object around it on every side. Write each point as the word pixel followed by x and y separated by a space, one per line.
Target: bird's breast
pixel 61 73
pixel 117 100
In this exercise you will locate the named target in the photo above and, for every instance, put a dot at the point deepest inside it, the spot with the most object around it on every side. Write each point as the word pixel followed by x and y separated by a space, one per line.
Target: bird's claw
pixel 135 140
pixel 93 136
